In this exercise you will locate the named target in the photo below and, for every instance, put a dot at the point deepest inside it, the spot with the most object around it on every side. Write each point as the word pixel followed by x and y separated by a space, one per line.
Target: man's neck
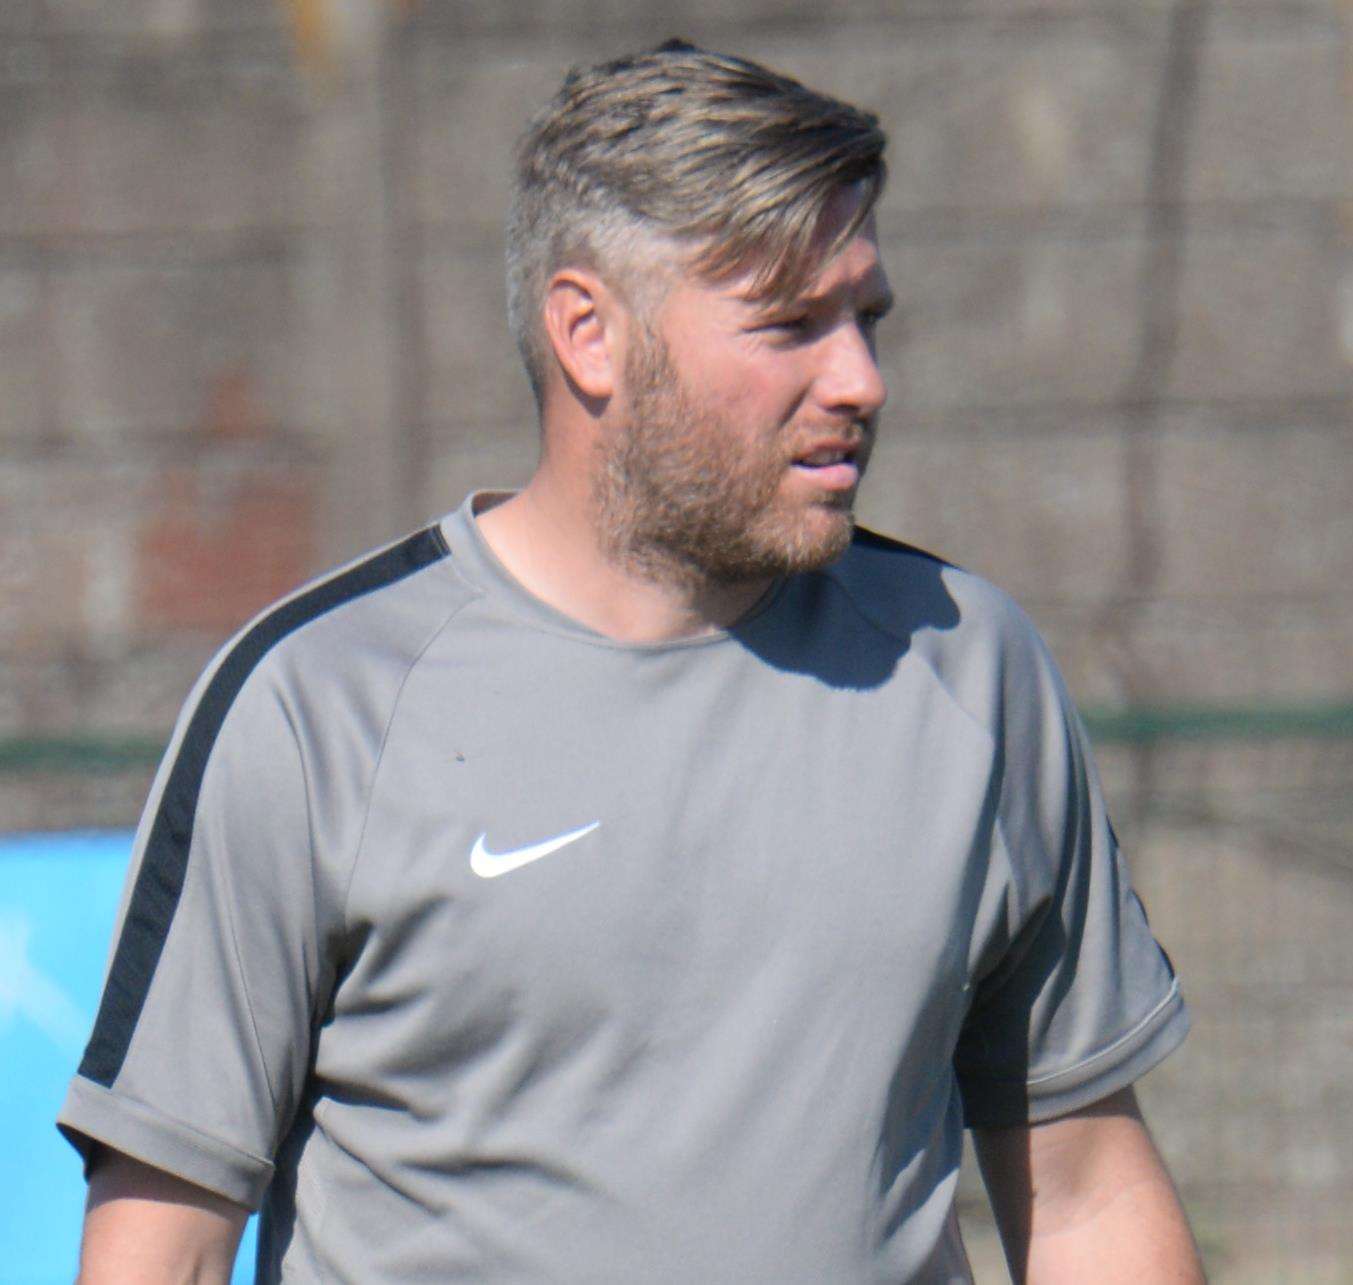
pixel 548 540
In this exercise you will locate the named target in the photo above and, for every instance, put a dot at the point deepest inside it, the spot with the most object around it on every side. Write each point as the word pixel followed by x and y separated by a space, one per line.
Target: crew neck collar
pixel 479 564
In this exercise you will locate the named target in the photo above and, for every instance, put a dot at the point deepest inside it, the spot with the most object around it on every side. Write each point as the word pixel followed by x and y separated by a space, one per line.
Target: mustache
pixel 855 436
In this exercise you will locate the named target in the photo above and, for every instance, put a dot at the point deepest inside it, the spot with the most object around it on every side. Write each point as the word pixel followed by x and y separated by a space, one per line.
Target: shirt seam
pixel 135 1106
pixel 287 714
pixel 1109 1050
pixel 999 827
pixel 414 662
pixel 440 541
pixel 1146 1023
pixel 897 636
pixel 239 958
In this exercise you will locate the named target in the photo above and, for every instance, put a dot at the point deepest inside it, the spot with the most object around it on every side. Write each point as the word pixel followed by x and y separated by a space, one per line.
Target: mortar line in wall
pixel 269 242
pixel 311 443
pixel 1329 410
pixel 1013 25
pixel 212 47
pixel 1316 605
pixel 216 53
pixel 1237 415
pixel 166 249
pixel 1197 220
pixel 229 54
pixel 399 108
pixel 1090 24
pixel 1159 301
pixel 1158 287
pixel 175 443
pixel 1174 218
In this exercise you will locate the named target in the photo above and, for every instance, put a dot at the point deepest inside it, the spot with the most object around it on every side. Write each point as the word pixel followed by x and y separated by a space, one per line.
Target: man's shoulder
pixel 381 600
pixel 974 638
pixel 902 588
pixel 865 539
pixel 360 625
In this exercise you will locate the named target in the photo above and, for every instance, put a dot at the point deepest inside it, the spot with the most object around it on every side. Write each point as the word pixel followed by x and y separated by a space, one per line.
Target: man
pixel 641 877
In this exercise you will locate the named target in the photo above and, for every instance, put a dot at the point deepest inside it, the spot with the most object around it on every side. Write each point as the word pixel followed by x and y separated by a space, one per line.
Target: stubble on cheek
pixel 684 496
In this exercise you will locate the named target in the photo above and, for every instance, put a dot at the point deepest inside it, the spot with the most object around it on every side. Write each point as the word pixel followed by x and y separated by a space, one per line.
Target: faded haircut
pixel 729 164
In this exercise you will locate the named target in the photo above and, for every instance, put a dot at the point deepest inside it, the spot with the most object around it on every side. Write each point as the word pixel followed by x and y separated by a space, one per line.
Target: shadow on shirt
pixel 850 625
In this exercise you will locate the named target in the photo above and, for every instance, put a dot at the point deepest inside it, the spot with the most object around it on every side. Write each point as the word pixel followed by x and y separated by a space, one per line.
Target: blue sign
pixel 58 901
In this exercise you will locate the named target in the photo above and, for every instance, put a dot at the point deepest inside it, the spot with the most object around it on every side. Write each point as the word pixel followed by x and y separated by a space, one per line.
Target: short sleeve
pixel 1076 999
pixel 200 1047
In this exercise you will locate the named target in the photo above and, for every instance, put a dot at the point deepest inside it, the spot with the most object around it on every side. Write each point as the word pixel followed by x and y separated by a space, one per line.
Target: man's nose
pixel 851 380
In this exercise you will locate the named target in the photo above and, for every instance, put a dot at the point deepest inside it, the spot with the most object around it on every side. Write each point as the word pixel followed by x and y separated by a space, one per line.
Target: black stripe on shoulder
pixel 872 540
pixel 159 882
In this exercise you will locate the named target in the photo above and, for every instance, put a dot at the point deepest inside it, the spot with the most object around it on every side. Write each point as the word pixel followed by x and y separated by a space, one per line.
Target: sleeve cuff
pixel 994 1104
pixel 92 1114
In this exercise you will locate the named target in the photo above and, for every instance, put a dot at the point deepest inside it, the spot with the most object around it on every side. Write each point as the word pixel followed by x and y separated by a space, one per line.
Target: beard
pixel 685 495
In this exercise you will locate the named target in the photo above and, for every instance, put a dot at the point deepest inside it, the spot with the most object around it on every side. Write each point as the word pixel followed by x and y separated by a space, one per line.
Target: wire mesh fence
pixel 1240 836
pixel 1242 850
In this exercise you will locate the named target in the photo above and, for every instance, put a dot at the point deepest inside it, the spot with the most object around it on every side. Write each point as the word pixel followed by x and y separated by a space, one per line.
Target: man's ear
pixel 582 319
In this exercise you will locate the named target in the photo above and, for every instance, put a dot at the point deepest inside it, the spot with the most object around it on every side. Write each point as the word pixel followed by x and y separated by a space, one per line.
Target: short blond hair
pixel 729 163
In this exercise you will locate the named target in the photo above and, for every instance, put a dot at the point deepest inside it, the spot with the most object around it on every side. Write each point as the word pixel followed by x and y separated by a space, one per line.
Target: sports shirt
pixel 474 945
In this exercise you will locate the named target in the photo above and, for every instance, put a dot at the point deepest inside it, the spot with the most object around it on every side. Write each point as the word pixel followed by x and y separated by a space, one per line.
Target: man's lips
pixel 831 477
pixel 832 463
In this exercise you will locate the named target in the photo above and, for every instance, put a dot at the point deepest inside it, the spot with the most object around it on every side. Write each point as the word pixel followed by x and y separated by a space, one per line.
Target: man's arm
pixel 146 1226
pixel 1087 1198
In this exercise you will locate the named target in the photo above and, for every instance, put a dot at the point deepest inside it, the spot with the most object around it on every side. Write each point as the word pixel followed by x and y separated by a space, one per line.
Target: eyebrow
pixel 879 301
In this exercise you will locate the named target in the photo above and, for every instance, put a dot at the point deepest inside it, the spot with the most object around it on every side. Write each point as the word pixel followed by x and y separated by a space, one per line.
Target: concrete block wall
pixel 252 271
pixel 251 323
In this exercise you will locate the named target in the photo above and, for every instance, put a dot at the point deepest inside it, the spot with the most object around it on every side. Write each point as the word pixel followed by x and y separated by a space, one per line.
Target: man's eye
pixel 792 325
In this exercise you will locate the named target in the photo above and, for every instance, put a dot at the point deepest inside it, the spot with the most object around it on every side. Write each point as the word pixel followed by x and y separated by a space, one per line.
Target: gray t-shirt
pixel 477 946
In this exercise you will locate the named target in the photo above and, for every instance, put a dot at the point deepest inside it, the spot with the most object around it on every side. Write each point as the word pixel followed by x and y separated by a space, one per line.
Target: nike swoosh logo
pixel 489 865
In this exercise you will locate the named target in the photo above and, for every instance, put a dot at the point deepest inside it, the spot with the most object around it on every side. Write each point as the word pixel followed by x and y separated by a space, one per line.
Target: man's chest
pixel 581 853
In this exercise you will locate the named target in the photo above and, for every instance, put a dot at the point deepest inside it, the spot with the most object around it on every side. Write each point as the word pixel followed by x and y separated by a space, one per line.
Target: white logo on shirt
pixel 489 865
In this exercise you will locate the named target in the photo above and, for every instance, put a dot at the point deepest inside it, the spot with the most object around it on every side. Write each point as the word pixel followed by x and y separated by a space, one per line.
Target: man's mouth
pixel 833 465
pixel 825 458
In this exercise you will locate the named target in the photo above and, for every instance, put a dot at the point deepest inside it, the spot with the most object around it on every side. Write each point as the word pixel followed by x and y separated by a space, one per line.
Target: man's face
pixel 748 426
